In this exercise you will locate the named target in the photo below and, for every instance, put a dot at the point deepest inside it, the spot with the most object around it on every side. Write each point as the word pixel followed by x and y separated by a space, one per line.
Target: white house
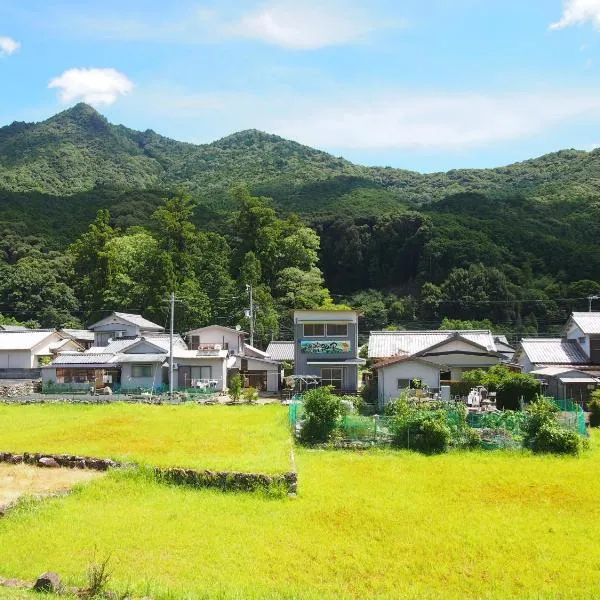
pixel 22 353
pixel 432 357
pixel 257 368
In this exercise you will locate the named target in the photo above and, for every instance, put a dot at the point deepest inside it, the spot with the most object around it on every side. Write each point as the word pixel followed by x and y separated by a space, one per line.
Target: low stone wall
pixel 230 480
pixel 14 389
pixel 223 480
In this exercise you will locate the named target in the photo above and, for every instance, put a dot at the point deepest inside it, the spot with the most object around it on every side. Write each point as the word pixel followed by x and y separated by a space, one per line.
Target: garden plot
pixel 24 480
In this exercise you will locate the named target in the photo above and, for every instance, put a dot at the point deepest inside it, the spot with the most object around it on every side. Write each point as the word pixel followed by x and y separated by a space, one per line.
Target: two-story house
pixel 257 368
pixel 568 365
pixel 326 346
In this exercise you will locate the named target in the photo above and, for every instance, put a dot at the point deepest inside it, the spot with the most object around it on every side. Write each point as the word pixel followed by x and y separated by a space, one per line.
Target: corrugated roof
pixel 553 351
pixel 557 370
pixel 222 327
pixel 252 351
pixel 13 328
pixel 23 340
pixel 281 350
pixel 385 344
pixel 588 322
pixel 121 344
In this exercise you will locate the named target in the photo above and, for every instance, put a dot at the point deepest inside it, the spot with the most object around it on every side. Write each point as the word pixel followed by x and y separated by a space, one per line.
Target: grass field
pixel 377 524
pixel 243 438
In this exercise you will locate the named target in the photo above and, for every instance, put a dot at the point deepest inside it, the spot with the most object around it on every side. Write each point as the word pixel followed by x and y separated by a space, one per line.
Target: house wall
pixel 272 371
pixel 387 378
pixel 214 335
pixel 349 374
pixel 127 329
pixel 575 333
pixel 218 370
pixel 129 381
pixel 17 359
pixel 526 365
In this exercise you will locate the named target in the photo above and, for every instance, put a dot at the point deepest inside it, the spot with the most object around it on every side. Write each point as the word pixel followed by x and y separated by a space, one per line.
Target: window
pixel 194 342
pixel 446 376
pixel 403 384
pixel 337 329
pixel 595 350
pixel 410 384
pixel 332 377
pixel 141 370
pixel 314 330
pixel 201 372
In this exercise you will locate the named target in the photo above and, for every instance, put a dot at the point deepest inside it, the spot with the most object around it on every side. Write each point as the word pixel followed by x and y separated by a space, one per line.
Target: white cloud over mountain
pixel 94 86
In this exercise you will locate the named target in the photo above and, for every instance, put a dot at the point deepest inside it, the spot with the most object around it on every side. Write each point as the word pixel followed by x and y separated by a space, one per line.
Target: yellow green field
pixel 377 524
pixel 243 438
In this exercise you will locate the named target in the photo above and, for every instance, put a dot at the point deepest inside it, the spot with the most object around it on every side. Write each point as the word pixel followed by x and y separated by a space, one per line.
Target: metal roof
pixel 222 327
pixel 281 350
pixel 553 351
pixel 189 354
pixel 23 340
pixel 137 320
pixel 588 322
pixel 252 351
pixel 385 344
pixel 121 344
pixel 13 328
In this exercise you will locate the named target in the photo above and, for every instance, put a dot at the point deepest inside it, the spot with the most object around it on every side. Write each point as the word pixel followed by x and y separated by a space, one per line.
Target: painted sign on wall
pixel 325 346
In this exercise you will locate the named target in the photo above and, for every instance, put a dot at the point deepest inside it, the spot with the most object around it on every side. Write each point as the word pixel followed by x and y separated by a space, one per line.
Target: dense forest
pixel 97 217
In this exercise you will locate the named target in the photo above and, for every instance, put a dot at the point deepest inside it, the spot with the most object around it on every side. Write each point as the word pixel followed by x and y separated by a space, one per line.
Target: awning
pixel 578 380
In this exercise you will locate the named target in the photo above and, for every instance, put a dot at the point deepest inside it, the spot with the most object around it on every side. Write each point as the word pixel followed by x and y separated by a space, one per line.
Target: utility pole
pixel 171 346
pixel 249 290
pixel 590 298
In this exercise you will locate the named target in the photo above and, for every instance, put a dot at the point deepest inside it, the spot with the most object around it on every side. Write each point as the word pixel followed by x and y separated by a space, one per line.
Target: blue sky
pixel 420 84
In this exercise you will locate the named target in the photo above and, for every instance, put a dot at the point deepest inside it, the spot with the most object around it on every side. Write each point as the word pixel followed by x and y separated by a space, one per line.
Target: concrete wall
pixel 387 378
pixel 20 373
pixel 128 331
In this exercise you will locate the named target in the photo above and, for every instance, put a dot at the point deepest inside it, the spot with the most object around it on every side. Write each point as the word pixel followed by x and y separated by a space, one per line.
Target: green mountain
pixel 78 150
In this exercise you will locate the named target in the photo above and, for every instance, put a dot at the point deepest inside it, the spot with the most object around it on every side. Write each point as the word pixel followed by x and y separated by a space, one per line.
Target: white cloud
pixel 94 86
pixel 347 119
pixel 307 25
pixel 578 12
pixel 8 45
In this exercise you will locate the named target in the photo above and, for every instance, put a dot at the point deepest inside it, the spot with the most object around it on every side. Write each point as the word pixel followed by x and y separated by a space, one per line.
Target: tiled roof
pixel 385 344
pixel 80 334
pixel 252 351
pixel 121 344
pixel 139 321
pixel 82 358
pixel 23 340
pixel 553 351
pixel 588 322
pixel 139 358
pixel 281 350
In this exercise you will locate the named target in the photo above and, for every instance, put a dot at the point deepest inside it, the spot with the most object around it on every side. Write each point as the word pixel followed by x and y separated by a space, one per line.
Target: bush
pixel 594 408
pixel 543 433
pixel 250 395
pixel 558 440
pixel 322 410
pixel 235 387
pixel 423 428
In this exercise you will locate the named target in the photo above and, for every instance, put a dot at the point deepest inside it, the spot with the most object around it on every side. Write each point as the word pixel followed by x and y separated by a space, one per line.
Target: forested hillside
pixel 518 245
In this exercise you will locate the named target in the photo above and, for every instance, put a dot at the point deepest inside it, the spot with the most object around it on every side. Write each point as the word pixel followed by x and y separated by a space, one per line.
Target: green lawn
pixel 365 525
pixel 242 438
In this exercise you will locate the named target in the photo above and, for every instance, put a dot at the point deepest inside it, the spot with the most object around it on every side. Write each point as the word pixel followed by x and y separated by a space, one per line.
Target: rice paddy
pixel 374 524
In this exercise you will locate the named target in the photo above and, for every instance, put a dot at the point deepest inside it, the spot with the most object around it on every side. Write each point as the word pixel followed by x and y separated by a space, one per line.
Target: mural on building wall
pixel 325 346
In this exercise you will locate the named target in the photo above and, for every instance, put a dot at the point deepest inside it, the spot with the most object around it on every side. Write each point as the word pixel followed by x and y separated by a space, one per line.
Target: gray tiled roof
pixel 385 344
pixel 82 358
pixel 588 322
pixel 139 321
pixel 281 350
pixel 553 351
pixel 80 334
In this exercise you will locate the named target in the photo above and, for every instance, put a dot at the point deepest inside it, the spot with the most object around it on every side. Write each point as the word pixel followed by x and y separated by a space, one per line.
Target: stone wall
pixel 223 480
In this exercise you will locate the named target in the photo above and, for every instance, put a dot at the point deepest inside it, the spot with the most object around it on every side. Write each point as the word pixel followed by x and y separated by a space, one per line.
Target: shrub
pixel 322 410
pixel 235 387
pixel 543 433
pixel 594 408
pixel 250 394
pixel 556 439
